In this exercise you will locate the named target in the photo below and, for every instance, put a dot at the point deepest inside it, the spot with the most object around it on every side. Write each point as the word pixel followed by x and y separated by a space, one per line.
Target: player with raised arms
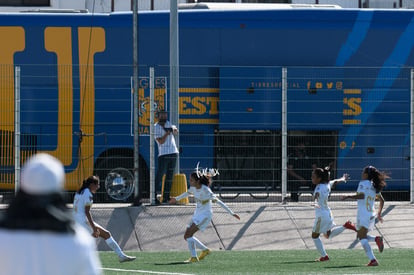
pixel 200 181
pixel 324 222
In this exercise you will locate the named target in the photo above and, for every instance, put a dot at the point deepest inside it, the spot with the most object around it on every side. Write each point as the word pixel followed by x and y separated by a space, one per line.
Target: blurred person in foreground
pixel 37 233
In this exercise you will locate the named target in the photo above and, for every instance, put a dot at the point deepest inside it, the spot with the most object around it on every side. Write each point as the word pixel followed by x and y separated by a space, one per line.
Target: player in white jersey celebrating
pixel 81 209
pixel 199 188
pixel 369 189
pixel 324 222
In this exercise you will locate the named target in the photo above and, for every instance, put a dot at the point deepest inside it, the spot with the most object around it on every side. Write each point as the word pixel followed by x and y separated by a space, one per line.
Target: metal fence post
pixel 284 134
pixel 17 128
pixel 152 148
pixel 136 103
pixel 174 74
pixel 412 138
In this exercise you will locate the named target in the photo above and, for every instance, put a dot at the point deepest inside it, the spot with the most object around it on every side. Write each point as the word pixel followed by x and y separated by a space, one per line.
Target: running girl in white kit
pixel 81 209
pixel 324 222
pixel 369 189
pixel 199 188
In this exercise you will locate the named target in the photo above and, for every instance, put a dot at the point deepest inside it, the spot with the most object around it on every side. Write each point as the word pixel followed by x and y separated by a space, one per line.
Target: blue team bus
pixel 348 90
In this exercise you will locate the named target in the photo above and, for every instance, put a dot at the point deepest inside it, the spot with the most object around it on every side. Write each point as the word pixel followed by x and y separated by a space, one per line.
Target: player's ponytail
pixel 205 175
pixel 377 177
pixel 322 173
pixel 201 178
pixel 87 182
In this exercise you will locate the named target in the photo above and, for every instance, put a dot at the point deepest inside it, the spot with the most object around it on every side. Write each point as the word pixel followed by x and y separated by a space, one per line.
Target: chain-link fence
pixel 263 128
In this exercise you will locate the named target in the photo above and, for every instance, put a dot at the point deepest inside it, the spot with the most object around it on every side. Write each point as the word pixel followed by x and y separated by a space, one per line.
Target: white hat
pixel 42 175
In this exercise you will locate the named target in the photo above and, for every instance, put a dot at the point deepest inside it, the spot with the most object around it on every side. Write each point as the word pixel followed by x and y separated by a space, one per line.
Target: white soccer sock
pixel 199 244
pixel 192 247
pixel 336 231
pixel 371 238
pixel 367 248
pixel 114 246
pixel 319 246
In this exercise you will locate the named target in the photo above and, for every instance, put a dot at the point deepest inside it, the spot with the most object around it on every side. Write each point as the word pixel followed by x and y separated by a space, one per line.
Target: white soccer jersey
pixel 79 203
pixel 203 198
pixel 169 146
pixel 366 207
pixel 324 190
pixel 323 215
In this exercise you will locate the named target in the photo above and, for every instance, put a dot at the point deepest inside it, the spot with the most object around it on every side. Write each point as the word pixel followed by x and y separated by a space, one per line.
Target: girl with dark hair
pixel 81 208
pixel 203 196
pixel 324 222
pixel 369 189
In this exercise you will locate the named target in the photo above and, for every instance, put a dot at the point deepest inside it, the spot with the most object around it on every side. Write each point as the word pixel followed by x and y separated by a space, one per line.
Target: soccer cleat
pixel 350 225
pixel 380 243
pixel 192 260
pixel 373 263
pixel 323 259
pixel 126 258
pixel 204 253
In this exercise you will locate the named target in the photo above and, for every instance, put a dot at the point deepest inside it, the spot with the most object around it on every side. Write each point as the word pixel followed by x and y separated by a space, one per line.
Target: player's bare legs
pixel 188 236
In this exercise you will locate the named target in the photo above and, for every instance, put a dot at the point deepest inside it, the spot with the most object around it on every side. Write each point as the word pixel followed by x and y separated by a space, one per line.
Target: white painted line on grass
pixel 145 271
pixel 379 273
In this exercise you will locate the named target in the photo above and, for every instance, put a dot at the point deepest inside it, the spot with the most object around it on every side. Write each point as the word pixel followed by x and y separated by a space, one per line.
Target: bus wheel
pixel 119 184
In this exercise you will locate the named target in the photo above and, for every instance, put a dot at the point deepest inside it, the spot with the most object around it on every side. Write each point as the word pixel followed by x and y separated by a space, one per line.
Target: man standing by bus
pixel 167 154
pixel 299 169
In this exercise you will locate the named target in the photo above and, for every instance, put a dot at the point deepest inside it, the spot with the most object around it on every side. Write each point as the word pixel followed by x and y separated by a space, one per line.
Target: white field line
pixel 409 273
pixel 144 271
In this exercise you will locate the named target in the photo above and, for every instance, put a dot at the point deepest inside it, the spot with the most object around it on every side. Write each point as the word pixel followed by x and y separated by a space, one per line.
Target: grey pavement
pixel 263 226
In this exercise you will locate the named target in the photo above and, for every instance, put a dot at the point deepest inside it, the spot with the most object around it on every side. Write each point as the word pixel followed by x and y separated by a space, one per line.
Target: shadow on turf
pixel 332 267
pixel 172 263
pixel 343 266
pixel 298 262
